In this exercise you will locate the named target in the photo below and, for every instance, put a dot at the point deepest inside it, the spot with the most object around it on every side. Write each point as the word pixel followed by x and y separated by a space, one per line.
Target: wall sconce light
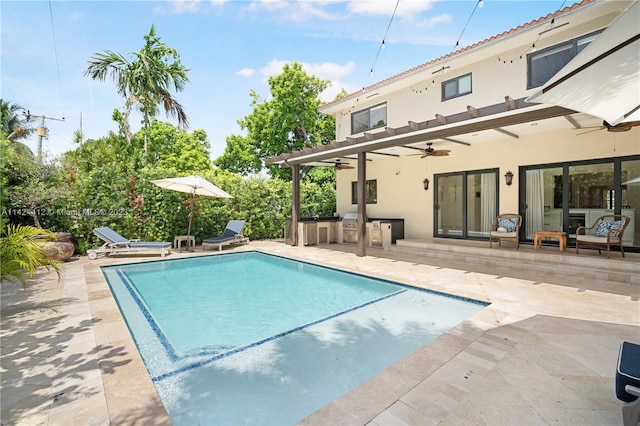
pixel 508 177
pixel 425 182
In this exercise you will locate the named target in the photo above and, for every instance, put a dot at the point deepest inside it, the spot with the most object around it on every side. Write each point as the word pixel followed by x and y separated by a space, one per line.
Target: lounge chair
pixel 628 382
pixel 115 243
pixel 231 235
pixel 506 227
pixel 606 232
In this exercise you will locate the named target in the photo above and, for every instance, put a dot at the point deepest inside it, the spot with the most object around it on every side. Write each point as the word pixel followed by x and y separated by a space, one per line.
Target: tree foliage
pixel 289 120
pixel 14 124
pixel 239 156
pixel 107 181
pixel 147 80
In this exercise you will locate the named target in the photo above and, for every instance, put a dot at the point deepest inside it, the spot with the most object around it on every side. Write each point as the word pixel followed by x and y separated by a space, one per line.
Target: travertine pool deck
pixel 543 352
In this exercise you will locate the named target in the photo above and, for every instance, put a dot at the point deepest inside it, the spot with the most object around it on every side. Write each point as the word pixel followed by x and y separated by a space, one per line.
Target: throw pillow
pixel 617 226
pixel 602 229
pixel 509 224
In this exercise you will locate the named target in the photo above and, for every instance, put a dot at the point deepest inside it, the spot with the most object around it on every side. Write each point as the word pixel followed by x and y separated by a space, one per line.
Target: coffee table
pixel 559 235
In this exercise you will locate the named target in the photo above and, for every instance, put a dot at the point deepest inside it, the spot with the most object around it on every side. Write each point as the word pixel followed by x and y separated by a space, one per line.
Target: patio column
pixel 362 204
pixel 295 202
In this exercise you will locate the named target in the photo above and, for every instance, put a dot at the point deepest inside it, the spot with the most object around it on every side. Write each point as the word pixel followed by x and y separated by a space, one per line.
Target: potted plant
pixel 21 252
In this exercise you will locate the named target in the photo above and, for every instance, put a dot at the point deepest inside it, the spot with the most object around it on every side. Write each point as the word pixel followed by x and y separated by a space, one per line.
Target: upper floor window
pixel 456 87
pixel 369 118
pixel 371 190
pixel 543 65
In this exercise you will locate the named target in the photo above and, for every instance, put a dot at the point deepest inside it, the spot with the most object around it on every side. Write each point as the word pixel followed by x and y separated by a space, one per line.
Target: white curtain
pixel 535 202
pixel 488 201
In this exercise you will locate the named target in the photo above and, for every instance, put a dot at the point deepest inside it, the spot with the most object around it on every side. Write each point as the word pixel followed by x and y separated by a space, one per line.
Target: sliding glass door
pixel 466 203
pixel 565 196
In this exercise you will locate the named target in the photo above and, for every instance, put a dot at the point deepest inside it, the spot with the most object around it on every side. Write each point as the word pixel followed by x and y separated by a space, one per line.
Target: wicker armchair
pixel 506 227
pixel 606 232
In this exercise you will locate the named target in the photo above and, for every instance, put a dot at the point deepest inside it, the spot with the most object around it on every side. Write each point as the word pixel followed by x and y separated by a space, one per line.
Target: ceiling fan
pixel 342 166
pixel 430 152
pixel 620 127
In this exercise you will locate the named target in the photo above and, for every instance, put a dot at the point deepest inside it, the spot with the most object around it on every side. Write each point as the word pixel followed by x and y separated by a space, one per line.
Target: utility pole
pixel 42 131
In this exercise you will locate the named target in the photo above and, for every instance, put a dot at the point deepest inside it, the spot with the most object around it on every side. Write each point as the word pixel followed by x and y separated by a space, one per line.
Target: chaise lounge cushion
pixel 628 371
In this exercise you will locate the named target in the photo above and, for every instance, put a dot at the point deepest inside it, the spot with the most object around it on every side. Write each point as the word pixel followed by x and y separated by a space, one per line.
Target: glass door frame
pixel 566 188
pixel 436 206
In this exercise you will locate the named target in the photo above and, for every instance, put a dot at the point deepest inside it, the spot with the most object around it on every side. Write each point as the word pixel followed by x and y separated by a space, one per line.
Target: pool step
pixel 549 260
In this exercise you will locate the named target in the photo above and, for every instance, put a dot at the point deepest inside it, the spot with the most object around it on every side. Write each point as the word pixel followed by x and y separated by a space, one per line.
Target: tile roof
pixel 465 49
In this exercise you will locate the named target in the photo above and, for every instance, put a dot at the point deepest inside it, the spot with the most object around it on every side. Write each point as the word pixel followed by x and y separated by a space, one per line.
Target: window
pixel 369 118
pixel 543 65
pixel 456 87
pixel 371 192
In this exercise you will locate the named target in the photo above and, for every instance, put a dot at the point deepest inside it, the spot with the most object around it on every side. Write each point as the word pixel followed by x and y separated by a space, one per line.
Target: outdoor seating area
pixel 115 243
pixel 606 232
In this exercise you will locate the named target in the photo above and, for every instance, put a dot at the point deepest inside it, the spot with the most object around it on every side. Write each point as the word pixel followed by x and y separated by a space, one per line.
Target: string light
pixel 382 46
pixel 551 25
pixel 479 4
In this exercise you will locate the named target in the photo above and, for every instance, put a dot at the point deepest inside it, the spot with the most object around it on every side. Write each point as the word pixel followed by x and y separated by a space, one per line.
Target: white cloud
pixel 246 72
pixel 432 22
pixel 406 9
pixel 299 11
pixel 186 6
pixel 324 71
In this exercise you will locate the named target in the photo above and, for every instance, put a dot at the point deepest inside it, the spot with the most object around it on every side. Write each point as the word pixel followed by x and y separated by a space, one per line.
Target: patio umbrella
pixel 194 185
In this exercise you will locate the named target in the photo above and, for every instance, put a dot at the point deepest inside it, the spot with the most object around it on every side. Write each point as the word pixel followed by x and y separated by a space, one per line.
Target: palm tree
pixel 13 125
pixel 146 80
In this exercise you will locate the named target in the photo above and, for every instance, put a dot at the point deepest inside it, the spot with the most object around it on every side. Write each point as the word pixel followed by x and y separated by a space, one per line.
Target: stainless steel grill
pixel 350 228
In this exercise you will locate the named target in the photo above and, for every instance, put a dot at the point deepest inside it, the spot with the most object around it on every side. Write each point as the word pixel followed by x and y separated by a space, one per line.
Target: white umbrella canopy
pixel 194 185
pixel 604 79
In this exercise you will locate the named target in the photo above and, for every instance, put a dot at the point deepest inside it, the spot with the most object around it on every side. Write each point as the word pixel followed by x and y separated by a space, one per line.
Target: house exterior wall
pixel 399 180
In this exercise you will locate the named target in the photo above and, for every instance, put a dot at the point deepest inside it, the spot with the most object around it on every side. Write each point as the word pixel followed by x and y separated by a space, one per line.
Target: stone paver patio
pixel 543 352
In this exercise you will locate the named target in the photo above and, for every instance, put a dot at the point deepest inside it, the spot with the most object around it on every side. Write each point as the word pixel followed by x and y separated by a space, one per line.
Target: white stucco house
pixel 541 120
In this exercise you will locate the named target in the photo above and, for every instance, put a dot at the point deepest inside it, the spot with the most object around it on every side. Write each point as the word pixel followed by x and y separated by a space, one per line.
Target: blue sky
pixel 231 48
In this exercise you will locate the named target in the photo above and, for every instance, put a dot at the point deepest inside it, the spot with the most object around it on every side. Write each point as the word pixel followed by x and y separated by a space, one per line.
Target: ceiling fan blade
pixel 441 152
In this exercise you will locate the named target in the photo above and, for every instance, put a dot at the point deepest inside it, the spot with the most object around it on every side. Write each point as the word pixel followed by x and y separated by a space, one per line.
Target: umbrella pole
pixel 193 201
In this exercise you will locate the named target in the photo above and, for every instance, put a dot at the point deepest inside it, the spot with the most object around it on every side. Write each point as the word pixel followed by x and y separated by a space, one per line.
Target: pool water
pixel 251 338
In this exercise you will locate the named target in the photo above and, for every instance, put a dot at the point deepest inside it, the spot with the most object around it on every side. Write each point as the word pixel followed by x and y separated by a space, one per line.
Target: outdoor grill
pixel 350 228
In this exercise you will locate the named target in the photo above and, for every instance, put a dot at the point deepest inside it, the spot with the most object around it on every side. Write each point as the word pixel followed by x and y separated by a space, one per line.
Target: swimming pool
pixel 252 338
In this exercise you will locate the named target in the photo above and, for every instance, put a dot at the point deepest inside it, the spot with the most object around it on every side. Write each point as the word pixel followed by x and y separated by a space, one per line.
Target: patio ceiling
pixel 513 118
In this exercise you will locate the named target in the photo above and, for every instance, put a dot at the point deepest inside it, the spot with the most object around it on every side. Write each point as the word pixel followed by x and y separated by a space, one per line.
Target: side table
pixel 559 235
pixel 189 239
